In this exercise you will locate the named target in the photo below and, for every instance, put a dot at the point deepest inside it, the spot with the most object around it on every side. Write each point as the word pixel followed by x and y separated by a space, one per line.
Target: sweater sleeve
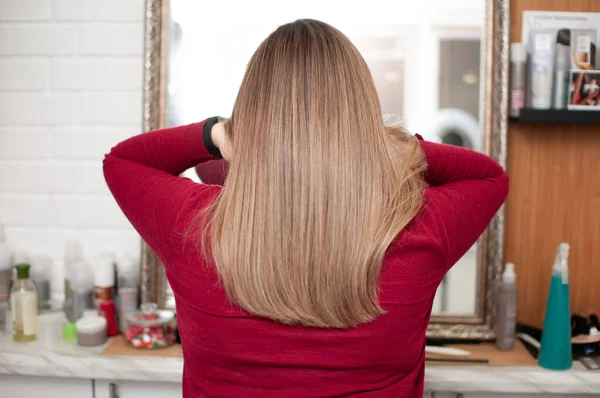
pixel 143 175
pixel 466 189
pixel 213 172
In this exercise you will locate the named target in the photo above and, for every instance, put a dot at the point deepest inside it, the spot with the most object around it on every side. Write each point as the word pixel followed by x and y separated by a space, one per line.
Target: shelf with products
pixel 530 115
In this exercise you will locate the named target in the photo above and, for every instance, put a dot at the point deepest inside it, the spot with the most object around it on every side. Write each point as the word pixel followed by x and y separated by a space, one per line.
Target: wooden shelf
pixel 558 116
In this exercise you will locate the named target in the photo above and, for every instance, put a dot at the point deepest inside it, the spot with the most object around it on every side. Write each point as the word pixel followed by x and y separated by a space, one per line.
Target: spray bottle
pixel 507 309
pixel 556 352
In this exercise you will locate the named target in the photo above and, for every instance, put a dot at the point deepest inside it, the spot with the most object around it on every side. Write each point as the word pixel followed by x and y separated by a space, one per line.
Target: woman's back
pixel 229 352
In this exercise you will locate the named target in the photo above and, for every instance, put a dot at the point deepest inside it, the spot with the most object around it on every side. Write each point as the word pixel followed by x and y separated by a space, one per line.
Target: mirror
pixel 439 66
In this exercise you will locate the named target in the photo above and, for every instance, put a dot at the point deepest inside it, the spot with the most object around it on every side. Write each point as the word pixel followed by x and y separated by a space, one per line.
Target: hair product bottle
pixel 73 254
pixel 562 64
pixel 24 304
pixel 507 309
pixel 128 289
pixel 542 63
pixel 518 71
pixel 556 352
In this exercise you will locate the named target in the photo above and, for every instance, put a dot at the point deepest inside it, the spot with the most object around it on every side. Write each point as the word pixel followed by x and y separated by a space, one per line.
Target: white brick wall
pixel 70 88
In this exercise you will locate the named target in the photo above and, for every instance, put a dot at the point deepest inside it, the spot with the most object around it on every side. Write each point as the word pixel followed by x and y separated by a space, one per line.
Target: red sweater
pixel 230 353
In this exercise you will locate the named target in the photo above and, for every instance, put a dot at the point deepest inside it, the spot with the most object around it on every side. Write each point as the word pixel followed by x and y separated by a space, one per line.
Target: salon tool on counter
pixel 556 352
pixel 460 360
pixel 446 351
pixel 24 305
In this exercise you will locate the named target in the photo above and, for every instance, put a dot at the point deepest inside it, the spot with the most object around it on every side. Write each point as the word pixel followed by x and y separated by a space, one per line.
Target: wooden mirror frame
pixel 493 121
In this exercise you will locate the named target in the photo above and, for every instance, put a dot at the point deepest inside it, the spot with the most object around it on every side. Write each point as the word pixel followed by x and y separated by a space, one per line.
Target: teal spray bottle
pixel 556 352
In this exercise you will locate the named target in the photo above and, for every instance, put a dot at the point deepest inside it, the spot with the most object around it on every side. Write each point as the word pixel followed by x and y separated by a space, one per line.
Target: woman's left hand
pixel 221 141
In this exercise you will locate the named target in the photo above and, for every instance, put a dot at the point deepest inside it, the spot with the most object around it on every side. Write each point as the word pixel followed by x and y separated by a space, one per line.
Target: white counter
pixel 66 360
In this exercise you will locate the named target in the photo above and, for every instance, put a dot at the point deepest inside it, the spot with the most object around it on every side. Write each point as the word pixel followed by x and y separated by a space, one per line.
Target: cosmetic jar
pixel 91 329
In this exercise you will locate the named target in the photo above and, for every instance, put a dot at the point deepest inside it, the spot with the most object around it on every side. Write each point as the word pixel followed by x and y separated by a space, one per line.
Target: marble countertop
pixel 72 361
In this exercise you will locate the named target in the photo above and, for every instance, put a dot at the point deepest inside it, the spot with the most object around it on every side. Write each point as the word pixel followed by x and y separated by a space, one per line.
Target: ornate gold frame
pixel 494 118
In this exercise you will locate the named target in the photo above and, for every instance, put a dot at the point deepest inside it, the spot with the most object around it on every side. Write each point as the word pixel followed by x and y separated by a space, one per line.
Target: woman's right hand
pixel 220 139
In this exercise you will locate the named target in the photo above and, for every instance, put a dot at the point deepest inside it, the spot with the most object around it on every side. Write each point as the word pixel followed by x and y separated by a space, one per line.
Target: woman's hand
pixel 221 140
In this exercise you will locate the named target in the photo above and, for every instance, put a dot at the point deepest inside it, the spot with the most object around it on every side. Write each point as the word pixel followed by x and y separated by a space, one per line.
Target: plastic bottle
pixel 5 283
pixel 73 254
pixel 518 71
pixel 556 352
pixel 104 278
pixel 80 297
pixel 40 269
pixel 507 309
pixel 562 67
pixel 23 302
pixel 127 289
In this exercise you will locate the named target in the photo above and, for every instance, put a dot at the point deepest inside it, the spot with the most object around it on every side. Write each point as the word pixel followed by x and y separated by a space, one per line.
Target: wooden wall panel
pixel 555 196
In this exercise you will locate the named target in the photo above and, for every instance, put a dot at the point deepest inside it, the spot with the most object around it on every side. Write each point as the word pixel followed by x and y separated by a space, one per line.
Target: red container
pixel 107 309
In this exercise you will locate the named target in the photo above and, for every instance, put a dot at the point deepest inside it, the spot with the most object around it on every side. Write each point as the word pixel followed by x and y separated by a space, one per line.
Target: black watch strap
pixel 207 136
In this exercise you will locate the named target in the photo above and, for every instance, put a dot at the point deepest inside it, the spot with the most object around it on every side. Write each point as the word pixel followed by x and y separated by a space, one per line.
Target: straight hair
pixel 318 187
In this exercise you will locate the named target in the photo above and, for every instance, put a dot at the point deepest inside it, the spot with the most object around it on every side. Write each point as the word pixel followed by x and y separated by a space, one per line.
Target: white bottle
pixel 24 305
pixel 73 254
pixel 506 327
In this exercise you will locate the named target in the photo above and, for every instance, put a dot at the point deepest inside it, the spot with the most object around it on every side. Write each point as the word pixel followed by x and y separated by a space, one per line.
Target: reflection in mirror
pixel 426 67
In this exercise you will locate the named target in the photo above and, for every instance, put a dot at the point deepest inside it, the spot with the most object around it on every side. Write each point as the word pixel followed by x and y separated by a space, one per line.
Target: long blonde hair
pixel 318 187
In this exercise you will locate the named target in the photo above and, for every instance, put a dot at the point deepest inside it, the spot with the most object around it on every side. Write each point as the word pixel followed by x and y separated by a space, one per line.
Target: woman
pixel 312 271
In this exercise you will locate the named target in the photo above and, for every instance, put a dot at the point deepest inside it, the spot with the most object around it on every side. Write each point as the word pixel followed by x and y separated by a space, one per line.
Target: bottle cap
pixel 69 332
pixel 509 275
pixel 563 249
pixel 22 271
pixel 104 272
pixel 90 312
pixel 518 52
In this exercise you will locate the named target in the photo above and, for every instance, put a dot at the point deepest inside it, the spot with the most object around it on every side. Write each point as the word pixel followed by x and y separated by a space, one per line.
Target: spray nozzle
pixel 509 276
pixel 561 262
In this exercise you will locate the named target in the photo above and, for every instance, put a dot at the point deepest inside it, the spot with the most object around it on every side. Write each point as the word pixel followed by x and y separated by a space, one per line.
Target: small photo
pixel 584 90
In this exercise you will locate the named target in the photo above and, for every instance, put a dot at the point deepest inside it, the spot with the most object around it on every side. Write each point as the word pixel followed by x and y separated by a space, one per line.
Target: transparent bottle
pixel 24 305
pixel 506 327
